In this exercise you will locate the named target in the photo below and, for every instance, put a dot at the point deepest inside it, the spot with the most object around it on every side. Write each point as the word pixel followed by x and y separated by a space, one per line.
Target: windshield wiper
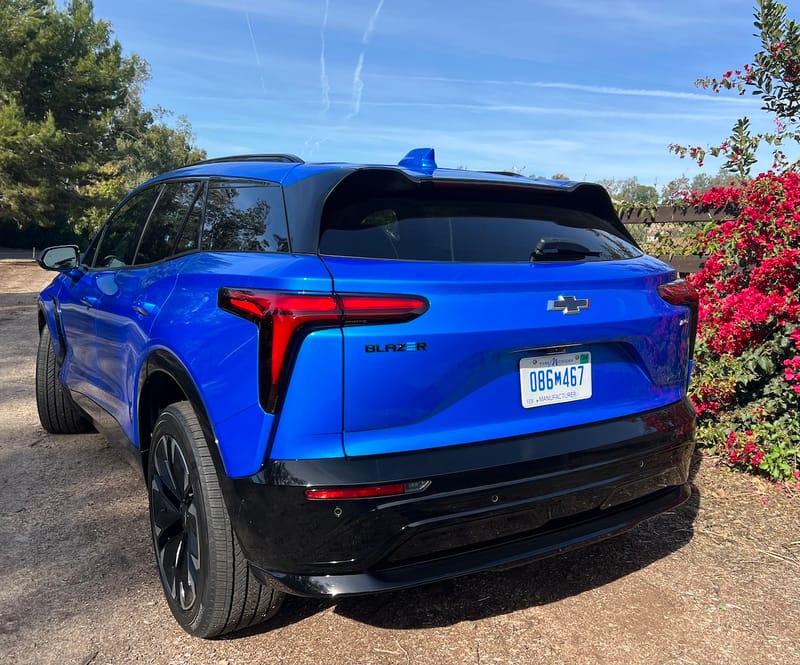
pixel 559 249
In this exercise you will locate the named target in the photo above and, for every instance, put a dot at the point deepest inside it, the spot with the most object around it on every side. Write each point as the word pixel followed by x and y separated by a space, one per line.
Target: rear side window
pixel 468 225
pixel 167 221
pixel 244 217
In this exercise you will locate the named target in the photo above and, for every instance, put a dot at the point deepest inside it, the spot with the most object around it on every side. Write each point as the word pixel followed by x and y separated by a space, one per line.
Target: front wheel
pixel 58 414
pixel 206 579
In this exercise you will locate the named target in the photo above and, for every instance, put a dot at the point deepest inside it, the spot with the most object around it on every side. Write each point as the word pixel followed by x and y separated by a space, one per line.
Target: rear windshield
pixel 465 225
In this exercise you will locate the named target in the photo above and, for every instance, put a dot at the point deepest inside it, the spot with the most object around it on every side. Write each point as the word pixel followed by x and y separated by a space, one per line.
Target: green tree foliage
pixel 645 195
pixel 677 190
pixel 143 148
pixel 73 132
pixel 774 76
pixel 631 191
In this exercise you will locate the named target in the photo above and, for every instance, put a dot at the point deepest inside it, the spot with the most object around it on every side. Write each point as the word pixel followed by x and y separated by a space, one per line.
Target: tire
pixel 58 414
pixel 206 579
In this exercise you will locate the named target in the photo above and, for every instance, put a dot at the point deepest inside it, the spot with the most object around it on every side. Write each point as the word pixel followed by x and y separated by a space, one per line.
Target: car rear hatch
pixel 541 314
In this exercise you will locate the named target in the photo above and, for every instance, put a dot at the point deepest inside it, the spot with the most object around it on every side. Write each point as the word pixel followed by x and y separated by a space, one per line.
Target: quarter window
pixel 190 236
pixel 245 217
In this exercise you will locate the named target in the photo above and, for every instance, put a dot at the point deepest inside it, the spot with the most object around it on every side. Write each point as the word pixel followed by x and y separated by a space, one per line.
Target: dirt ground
pixel 715 581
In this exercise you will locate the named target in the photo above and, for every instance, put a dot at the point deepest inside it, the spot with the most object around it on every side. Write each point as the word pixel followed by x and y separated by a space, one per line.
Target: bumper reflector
pixel 395 489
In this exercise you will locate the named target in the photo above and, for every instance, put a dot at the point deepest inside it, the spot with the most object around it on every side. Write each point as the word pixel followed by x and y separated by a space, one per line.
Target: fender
pixel 163 362
pixel 50 316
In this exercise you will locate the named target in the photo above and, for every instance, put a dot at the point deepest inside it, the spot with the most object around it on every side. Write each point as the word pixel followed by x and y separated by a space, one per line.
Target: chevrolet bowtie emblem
pixel 568 304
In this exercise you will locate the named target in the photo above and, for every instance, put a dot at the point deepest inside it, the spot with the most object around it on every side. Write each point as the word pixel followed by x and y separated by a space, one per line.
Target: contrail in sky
pixel 358 83
pixel 255 48
pixel 324 82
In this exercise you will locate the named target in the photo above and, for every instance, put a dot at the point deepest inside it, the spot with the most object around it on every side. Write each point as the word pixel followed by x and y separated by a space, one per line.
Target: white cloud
pixel 253 44
pixel 358 82
pixel 324 81
pixel 571 111
pixel 591 89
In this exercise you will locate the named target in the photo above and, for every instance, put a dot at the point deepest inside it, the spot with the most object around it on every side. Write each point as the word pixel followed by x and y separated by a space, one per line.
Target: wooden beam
pixel 685 264
pixel 676 215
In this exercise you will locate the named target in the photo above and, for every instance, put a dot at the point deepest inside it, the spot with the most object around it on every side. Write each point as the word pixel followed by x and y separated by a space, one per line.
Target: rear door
pixel 541 317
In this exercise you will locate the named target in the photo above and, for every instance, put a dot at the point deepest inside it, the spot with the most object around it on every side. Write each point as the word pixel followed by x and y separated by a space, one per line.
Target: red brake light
pixel 283 318
pixel 382 309
pixel 679 292
pixel 282 314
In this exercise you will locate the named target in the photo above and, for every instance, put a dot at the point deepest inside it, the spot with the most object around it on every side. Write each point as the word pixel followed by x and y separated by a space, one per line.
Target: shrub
pixel 774 77
pixel 746 384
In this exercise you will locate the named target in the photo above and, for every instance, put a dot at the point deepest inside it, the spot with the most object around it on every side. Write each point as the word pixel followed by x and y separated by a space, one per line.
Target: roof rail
pixel 277 157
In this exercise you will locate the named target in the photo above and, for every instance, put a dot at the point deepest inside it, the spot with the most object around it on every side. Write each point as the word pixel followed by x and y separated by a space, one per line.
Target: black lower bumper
pixel 488 505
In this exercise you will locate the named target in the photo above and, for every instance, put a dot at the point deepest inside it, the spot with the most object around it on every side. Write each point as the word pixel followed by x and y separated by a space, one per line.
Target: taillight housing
pixel 285 318
pixel 680 292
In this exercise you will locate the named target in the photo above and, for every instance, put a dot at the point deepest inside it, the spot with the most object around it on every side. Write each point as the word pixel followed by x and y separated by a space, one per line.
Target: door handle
pixel 144 308
pixel 90 301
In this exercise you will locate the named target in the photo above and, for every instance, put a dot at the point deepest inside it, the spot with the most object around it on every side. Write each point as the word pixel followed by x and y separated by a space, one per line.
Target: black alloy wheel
pixel 175 522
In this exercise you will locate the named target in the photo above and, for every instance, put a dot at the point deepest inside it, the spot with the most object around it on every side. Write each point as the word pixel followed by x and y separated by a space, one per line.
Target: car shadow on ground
pixel 495 593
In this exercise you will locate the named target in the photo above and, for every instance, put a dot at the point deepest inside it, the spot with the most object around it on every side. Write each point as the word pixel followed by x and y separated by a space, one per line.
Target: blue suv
pixel 341 379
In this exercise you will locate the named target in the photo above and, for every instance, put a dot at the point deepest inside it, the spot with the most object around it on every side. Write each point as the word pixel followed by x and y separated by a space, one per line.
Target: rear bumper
pixel 489 505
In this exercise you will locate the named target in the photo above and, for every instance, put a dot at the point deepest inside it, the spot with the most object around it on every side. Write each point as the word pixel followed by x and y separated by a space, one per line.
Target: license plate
pixel 566 377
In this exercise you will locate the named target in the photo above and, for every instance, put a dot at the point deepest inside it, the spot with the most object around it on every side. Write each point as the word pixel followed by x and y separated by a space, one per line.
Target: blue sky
pixel 590 88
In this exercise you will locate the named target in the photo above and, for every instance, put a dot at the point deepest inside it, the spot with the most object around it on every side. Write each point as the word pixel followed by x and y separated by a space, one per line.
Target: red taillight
pixel 680 292
pixel 284 317
pixel 283 314
pixel 381 309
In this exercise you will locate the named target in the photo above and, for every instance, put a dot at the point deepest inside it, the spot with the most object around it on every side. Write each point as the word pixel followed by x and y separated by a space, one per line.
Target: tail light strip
pixel 285 318
pixel 680 292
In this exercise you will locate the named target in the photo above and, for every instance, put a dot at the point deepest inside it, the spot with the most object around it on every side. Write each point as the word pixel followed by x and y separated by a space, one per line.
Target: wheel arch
pixel 48 313
pixel 164 380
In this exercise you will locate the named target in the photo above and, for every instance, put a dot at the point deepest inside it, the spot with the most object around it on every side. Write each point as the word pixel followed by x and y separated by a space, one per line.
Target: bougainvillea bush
pixel 746 381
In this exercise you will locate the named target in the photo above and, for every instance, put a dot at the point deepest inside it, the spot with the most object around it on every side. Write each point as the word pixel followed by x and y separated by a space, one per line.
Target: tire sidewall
pixel 171 422
pixel 42 356
pixel 58 413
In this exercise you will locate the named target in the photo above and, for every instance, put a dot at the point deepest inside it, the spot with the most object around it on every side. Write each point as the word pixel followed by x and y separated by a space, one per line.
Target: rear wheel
pixel 57 412
pixel 206 579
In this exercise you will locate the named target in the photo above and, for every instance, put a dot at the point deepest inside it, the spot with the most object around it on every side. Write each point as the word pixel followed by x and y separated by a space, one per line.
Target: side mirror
pixel 61 258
